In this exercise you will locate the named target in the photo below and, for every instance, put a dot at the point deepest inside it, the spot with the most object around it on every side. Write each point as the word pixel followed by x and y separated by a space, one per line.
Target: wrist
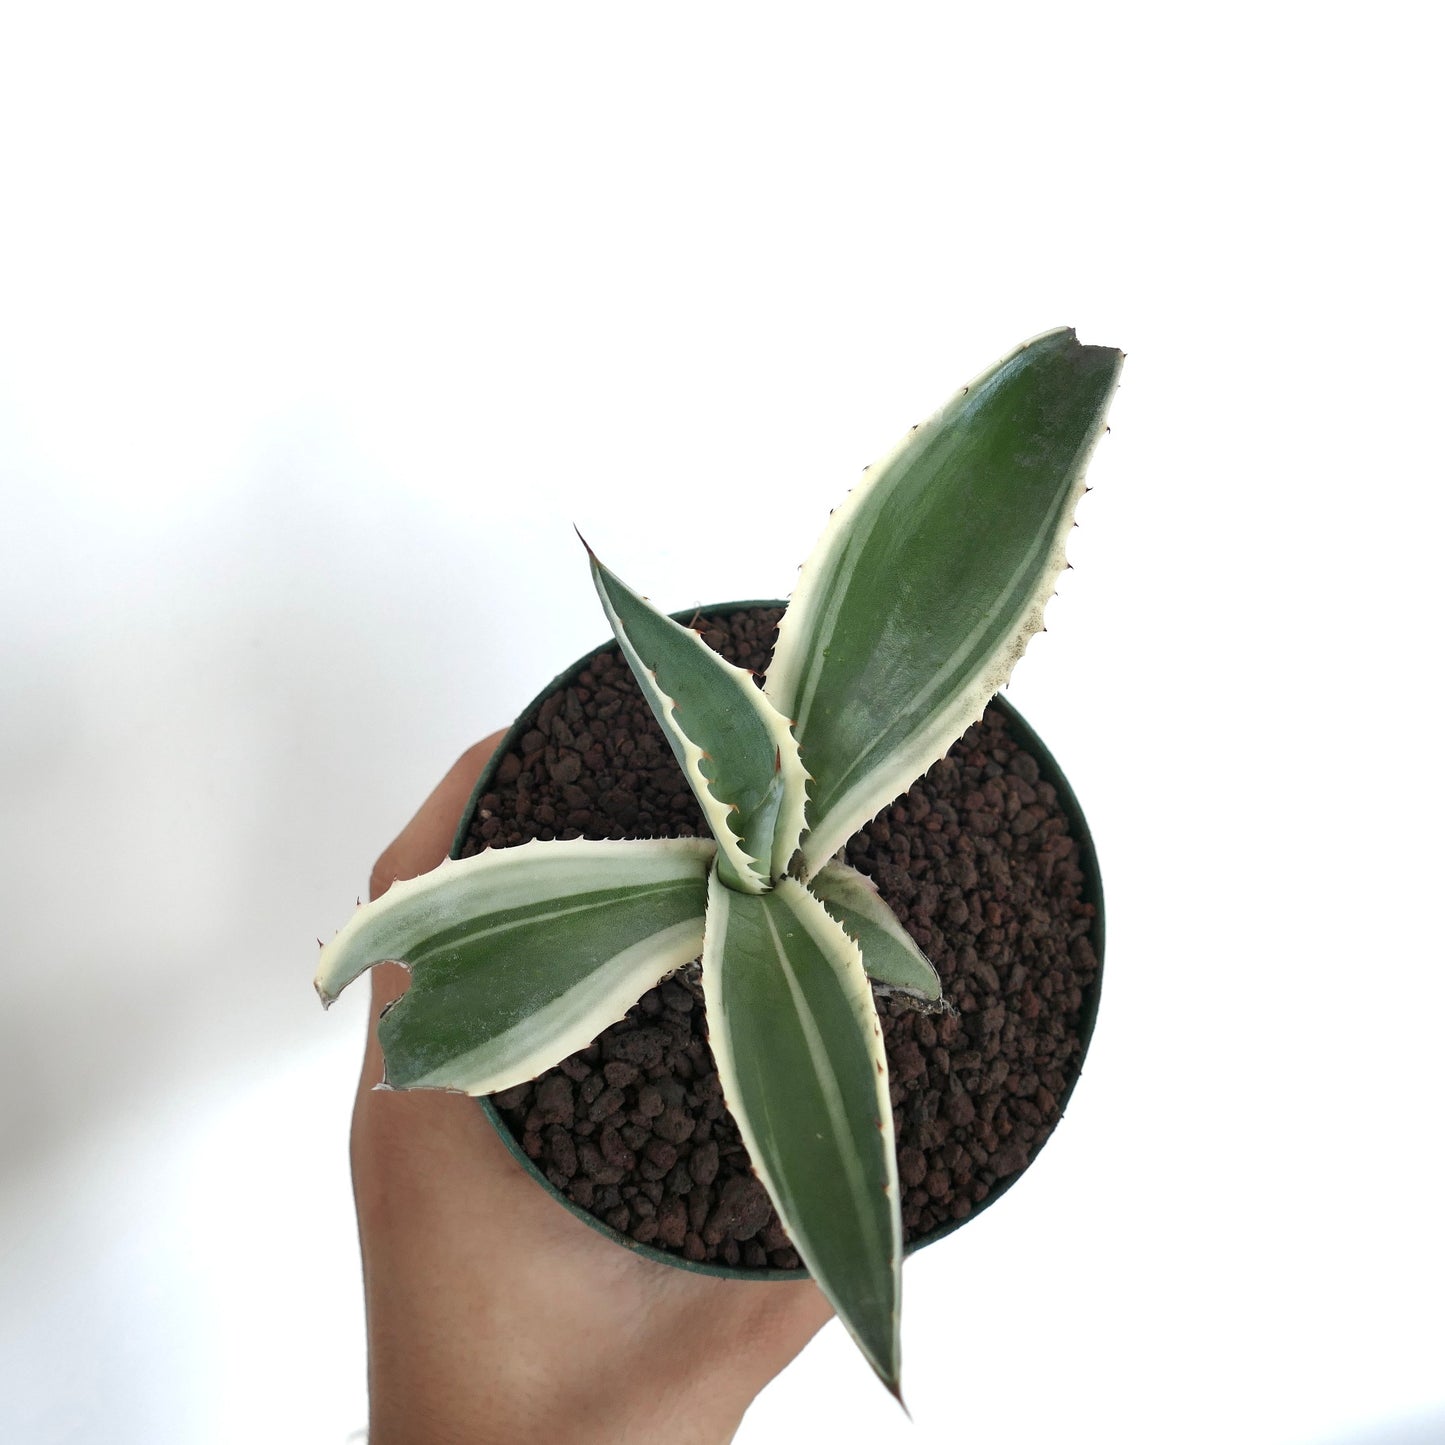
pixel 506 1400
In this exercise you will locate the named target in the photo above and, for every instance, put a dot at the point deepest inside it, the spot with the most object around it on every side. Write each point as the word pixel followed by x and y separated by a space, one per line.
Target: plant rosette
pixel 776 890
pixel 540 762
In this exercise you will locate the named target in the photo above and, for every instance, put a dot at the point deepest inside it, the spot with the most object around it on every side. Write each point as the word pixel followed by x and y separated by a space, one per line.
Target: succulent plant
pixel 910 614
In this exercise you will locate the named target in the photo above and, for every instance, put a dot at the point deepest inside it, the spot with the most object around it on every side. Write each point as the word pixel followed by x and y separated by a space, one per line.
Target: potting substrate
pixel 979 862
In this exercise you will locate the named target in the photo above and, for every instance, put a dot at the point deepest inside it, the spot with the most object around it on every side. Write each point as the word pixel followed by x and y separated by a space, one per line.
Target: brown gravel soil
pixel 979 859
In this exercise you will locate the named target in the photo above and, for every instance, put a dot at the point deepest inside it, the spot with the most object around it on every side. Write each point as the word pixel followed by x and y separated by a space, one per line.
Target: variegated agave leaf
pixel 521 956
pixel 735 749
pixel 931 577
pixel 890 956
pixel 799 1051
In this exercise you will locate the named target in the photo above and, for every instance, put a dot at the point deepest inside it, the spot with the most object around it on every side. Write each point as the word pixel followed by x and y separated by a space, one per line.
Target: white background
pixel 320 325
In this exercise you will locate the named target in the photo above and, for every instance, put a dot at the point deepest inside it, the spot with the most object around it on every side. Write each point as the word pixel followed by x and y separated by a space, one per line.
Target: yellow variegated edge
pixel 890 955
pixel 753 874
pixel 795 669
pixel 521 956
pixel 775 1027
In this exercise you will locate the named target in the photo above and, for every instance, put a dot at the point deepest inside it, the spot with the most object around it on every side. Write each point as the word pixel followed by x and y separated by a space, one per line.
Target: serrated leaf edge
pixel 560 1028
pixel 340 963
pixel 864 898
pixel 824 836
pixel 792 807
pixel 815 920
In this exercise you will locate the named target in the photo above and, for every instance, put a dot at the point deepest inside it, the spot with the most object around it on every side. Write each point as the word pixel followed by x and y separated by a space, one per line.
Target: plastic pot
pixel 1049 771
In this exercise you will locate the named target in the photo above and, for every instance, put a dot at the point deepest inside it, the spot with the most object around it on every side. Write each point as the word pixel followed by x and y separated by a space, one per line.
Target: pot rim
pixel 1088 1014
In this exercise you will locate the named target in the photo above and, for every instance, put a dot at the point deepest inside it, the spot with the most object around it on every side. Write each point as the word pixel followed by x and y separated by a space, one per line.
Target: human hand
pixel 494 1315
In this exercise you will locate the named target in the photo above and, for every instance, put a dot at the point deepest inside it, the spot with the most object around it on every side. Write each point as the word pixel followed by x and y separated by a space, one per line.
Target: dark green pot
pixel 1049 770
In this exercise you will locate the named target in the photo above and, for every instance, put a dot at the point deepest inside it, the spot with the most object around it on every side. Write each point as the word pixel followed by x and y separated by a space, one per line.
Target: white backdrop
pixel 320 324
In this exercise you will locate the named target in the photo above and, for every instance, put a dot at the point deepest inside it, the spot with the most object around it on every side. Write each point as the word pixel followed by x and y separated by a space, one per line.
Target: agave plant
pixel 910 614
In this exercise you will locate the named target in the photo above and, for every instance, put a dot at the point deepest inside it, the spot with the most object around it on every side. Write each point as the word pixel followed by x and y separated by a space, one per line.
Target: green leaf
pixel 799 1051
pixel 890 956
pixel 929 580
pixel 733 746
pixel 521 956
